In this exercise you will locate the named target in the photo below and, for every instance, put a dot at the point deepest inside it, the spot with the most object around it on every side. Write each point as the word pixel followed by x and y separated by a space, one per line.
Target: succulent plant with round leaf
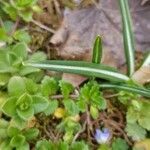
pixel 18 139
pixel 24 106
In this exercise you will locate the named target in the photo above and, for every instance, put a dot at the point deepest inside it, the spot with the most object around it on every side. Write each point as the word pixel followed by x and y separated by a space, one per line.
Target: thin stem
pixel 42 26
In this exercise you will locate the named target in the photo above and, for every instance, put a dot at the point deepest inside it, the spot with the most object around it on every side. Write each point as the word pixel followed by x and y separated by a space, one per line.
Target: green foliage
pixel 23 9
pixel 97 50
pixel 26 92
pixel 48 145
pixel 52 106
pixel 18 139
pixel 44 145
pixel 22 36
pixel 66 88
pixel 135 131
pixel 82 68
pixel 49 86
pixel 104 147
pixel 126 97
pixel 11 61
pixel 71 107
pixel 79 145
pixel 9 35
pixel 128 36
pixel 90 95
pixel 139 111
pixel 22 103
pixel 119 144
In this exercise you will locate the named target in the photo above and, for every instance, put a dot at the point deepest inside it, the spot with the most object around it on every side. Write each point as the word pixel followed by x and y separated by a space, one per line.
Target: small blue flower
pixel 102 136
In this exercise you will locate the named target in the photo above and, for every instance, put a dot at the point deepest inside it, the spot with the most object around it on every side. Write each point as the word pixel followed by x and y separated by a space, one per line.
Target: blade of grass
pixel 136 90
pixel 128 36
pixel 97 50
pixel 75 67
pixel 146 61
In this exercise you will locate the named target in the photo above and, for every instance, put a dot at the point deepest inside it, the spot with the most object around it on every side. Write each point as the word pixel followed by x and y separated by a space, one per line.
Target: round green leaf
pixel 5 145
pixel 44 145
pixel 17 141
pixel 16 86
pixel 9 107
pixel 25 146
pixel 27 114
pixel 20 50
pixel 39 103
pixel 94 112
pixel 52 106
pixel 12 131
pixel 24 102
pixel 31 133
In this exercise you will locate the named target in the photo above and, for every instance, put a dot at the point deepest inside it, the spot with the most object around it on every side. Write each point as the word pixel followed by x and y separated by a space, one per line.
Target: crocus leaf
pixel 97 50
pixel 82 68
pixel 128 37
pixel 123 87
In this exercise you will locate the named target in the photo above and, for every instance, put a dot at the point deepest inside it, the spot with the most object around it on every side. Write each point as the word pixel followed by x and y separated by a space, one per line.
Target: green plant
pixel 119 144
pixel 48 145
pixel 24 101
pixel 26 93
pixel 98 70
pixel 11 58
pixel 91 98
pixel 15 138
pixel 20 8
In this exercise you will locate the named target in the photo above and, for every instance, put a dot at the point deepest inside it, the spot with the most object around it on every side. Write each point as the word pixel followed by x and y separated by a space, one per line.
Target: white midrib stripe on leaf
pixel 104 72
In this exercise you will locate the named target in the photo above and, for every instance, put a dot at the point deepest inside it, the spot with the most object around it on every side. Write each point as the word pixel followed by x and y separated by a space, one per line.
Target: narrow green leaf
pixel 137 90
pixel 146 62
pixel 128 37
pixel 82 68
pixel 97 50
